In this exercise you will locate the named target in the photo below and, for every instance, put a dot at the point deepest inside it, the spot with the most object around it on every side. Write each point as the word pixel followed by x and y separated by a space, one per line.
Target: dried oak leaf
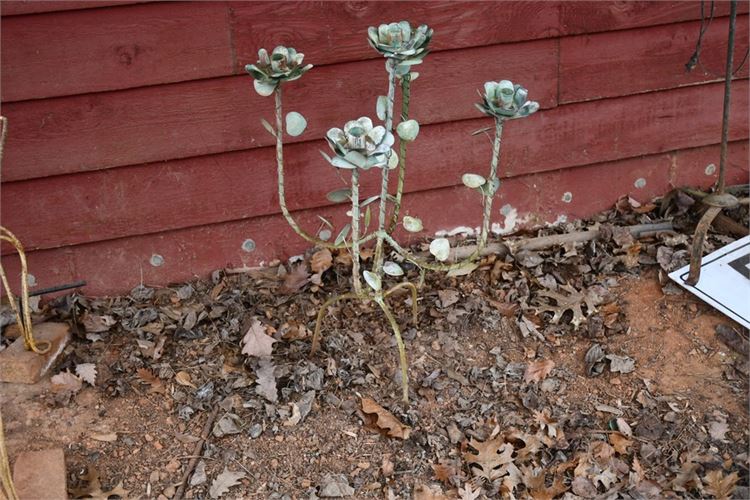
pixel 383 421
pixel 719 485
pixel 148 377
pixel 183 378
pixel 445 470
pixel 321 261
pixel 620 443
pixel 94 323
pixel 537 371
pixel 546 422
pixel 573 301
pixel 533 479
pixel 223 482
pixel 93 489
pixel 489 458
pixel 266 380
pixel 256 342
pixel 66 382
pixel 294 280
pixel 427 492
pixel 87 372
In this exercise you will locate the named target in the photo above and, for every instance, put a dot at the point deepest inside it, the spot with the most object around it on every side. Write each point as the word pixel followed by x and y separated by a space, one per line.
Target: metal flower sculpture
pixel 504 100
pixel 284 64
pixel 360 145
pixel 399 41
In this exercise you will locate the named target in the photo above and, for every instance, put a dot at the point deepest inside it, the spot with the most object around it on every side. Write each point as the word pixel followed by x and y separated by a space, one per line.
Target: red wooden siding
pixel 76 52
pixel 134 131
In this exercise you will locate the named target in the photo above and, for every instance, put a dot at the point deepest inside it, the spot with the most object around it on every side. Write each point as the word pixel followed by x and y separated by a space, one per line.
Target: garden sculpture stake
pixel 720 199
pixel 362 145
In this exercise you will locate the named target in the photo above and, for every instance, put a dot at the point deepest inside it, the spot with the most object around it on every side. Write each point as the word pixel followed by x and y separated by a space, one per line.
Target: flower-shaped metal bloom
pixel 360 145
pixel 284 64
pixel 507 101
pixel 399 41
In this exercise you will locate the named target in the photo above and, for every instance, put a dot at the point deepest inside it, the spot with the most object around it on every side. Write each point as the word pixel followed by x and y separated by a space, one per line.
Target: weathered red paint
pixel 332 32
pixel 641 60
pixel 105 130
pixel 183 193
pixel 591 17
pixel 137 162
pixel 19 7
pixel 117 265
pixel 77 52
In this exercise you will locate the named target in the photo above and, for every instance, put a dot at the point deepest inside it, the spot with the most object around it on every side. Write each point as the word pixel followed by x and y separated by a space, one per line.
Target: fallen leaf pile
pixel 524 378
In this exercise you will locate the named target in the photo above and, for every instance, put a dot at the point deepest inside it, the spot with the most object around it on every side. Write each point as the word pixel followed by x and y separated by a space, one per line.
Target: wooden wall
pixel 134 130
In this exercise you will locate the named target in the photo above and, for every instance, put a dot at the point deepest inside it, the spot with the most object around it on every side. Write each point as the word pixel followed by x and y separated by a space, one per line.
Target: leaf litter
pixel 515 392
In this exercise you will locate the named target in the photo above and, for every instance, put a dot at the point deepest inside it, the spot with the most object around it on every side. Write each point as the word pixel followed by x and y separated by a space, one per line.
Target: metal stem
pixel 727 92
pixel 491 180
pixel 405 97
pixel 378 266
pixel 280 175
pixel 356 282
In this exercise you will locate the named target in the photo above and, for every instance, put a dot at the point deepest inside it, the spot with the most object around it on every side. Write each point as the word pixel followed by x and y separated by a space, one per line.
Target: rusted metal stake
pixel 720 201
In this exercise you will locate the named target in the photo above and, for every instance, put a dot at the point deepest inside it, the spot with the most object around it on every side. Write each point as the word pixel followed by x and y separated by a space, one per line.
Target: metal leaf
pixel 392 160
pixel 295 123
pixel 369 200
pixel 263 88
pixel 408 130
pixel 268 127
pixel 340 195
pixel 464 270
pixel 373 280
pixel 381 107
pixel 440 248
pixel 473 181
pixel 342 234
pixel 368 215
pixel 392 269
pixel 490 188
pixel 412 224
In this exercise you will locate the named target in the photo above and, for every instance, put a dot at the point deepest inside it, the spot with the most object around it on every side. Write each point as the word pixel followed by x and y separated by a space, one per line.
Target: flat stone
pixel 19 366
pixel 40 474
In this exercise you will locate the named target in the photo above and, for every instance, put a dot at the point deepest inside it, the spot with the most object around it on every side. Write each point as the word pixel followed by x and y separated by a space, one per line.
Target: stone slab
pixel 19 366
pixel 40 475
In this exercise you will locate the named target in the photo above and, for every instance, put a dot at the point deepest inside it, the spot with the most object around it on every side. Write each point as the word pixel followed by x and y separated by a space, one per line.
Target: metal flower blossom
pixel 506 101
pixel 284 64
pixel 360 145
pixel 400 42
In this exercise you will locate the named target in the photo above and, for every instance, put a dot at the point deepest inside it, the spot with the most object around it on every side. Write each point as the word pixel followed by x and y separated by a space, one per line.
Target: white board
pixel 725 280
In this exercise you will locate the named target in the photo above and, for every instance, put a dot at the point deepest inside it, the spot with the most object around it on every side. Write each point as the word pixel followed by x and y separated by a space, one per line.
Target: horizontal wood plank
pixel 93 50
pixel 633 61
pixel 19 7
pixel 116 266
pixel 95 131
pixel 611 15
pixel 184 193
pixel 330 32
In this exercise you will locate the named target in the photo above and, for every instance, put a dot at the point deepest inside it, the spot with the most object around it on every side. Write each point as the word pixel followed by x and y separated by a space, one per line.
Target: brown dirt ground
pixel 671 338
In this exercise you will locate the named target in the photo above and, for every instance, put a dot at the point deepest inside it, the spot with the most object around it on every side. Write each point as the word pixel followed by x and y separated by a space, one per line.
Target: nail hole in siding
pixel 325 234
pixel 710 169
pixel 640 183
pixel 567 197
pixel 157 260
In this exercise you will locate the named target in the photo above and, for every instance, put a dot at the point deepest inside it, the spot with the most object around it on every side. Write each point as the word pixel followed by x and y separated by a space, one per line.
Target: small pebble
pixel 256 430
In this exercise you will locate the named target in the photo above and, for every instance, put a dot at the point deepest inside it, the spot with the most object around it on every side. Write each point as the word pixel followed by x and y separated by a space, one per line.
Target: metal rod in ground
pixel 727 94
pixel 696 254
